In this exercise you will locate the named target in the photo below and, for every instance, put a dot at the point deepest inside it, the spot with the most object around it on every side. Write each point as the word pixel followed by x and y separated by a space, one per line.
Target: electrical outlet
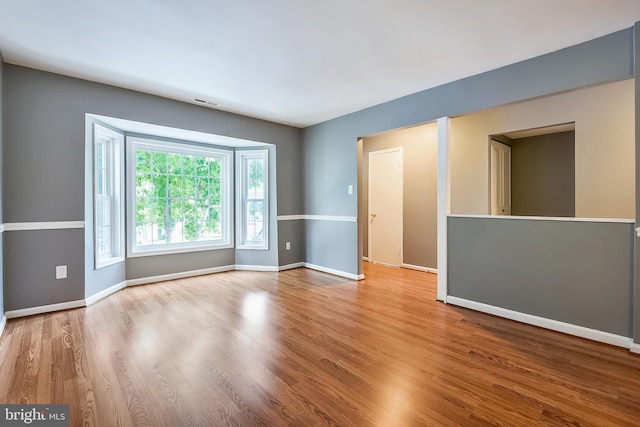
pixel 350 189
pixel 287 246
pixel 61 272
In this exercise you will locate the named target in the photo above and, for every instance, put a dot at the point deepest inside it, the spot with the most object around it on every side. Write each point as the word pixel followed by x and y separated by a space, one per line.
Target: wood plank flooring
pixel 303 348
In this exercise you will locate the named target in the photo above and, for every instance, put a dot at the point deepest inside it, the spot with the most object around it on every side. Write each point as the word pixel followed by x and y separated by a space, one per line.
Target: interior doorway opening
pixel 532 172
pixel 418 194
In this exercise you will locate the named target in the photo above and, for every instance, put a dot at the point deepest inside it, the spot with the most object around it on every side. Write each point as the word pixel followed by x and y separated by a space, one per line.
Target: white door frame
pixel 444 203
pixel 368 218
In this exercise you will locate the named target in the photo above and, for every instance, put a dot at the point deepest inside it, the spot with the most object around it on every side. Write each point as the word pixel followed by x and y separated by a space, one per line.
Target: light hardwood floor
pixel 305 348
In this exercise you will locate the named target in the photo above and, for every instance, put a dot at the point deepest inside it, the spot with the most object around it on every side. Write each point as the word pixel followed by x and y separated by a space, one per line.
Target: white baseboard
pixel 105 293
pixel 635 348
pixel 44 309
pixel 554 325
pixel 420 268
pixel 291 266
pixel 334 272
pixel 3 323
pixel 181 275
pixel 365 258
pixel 244 267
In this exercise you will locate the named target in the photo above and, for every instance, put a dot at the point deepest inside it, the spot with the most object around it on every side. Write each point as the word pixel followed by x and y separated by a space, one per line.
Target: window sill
pixel 109 262
pixel 252 247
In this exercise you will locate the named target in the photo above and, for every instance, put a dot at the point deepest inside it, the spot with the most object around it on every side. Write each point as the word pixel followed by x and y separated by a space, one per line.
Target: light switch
pixel 350 190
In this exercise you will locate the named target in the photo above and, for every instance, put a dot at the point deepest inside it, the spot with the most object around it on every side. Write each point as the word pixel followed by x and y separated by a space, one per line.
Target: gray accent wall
pixel 543 175
pixel 330 148
pixel 44 160
pixel 575 272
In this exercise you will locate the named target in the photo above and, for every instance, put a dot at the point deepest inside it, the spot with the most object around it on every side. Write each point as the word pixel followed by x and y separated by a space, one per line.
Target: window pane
pixel 159 185
pixel 202 166
pixel 214 190
pixel 103 225
pixel 189 165
pixel 143 161
pixel 144 185
pixel 174 186
pixel 180 196
pixel 100 176
pixel 144 233
pixel 255 178
pixel 174 164
pixel 159 162
pixel 144 209
pixel 255 222
pixel 215 229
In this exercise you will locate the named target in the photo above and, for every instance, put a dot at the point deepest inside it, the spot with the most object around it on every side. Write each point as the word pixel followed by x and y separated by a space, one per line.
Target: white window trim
pixel 118 217
pixel 226 242
pixel 241 155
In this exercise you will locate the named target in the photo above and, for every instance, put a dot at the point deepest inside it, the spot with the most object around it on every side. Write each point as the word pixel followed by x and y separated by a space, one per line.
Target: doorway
pixel 385 206
pixel 418 194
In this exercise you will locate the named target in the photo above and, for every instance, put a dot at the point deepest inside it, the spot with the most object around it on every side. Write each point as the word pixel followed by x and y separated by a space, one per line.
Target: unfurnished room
pixel 343 213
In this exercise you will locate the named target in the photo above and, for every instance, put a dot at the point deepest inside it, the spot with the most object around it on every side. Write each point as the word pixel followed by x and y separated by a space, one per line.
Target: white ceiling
pixel 293 61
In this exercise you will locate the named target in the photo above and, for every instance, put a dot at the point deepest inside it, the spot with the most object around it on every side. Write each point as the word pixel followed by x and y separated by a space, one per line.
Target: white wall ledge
pixel 53 225
pixel 317 218
pixel 546 218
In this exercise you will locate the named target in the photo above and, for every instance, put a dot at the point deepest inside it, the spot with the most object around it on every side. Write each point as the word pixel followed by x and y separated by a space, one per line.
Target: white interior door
pixel 500 178
pixel 385 206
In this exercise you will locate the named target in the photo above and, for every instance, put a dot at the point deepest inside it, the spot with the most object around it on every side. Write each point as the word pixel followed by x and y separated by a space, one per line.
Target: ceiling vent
pixel 205 102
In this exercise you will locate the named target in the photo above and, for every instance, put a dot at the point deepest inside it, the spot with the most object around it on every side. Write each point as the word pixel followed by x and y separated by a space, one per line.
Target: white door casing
pixel 385 206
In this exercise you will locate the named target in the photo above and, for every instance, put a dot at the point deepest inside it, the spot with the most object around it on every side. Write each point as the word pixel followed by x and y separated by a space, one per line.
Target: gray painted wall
pixel 44 159
pixel 30 260
pixel 543 180
pixel 157 265
pixel 327 236
pixel 291 231
pixel 575 272
pixel 330 148
pixel 420 162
